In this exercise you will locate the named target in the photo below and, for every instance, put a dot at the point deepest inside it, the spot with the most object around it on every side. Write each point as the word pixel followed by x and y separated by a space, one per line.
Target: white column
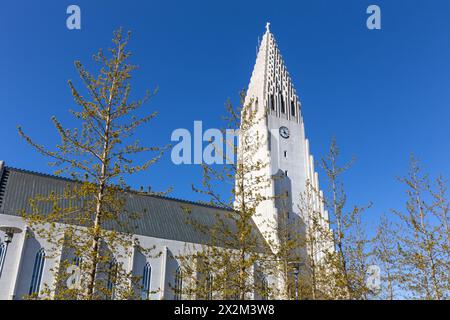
pixel 163 272
pixel 18 263
pixel 131 263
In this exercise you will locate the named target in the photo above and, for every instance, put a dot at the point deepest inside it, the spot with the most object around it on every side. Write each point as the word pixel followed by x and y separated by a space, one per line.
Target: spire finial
pixel 268 26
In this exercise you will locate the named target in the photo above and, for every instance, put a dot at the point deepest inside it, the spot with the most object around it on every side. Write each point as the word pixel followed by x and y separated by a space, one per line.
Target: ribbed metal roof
pixel 161 217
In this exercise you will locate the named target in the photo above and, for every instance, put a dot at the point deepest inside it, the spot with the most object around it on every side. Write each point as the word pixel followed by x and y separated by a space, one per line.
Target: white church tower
pixel 286 151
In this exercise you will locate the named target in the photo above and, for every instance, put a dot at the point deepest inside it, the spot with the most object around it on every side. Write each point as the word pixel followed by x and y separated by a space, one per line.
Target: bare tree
pixel 349 260
pixel 422 236
pixel 90 220
pixel 385 254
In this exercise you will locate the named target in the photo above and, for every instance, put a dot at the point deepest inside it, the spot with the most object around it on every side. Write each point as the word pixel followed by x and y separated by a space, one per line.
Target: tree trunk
pixel 102 185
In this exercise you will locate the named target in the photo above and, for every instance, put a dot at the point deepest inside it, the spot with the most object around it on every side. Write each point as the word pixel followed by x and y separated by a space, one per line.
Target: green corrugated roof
pixel 161 217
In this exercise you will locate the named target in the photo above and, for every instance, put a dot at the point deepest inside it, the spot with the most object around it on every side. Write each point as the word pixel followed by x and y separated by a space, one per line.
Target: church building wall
pixel 20 259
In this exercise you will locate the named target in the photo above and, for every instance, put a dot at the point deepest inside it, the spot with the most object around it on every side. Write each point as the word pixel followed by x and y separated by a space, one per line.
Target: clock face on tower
pixel 284 132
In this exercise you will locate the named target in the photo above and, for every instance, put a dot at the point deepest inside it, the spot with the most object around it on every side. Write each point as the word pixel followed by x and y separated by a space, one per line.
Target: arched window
pixel 178 283
pixel 146 278
pixel 112 277
pixel 209 286
pixel 37 272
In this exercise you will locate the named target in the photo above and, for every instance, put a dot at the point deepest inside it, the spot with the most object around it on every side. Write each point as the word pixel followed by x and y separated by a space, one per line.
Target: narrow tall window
pixel 77 261
pixel 272 102
pixel 146 276
pixel 209 286
pixel 112 277
pixel 293 108
pixel 2 250
pixel 38 268
pixel 2 255
pixel 283 108
pixel 178 284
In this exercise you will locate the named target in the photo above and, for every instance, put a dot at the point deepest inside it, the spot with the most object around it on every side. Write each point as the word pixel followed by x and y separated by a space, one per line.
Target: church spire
pixel 286 149
pixel 271 84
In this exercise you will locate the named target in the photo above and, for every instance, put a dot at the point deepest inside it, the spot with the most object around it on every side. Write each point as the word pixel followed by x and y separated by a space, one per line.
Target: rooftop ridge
pixel 48 175
pixel 136 192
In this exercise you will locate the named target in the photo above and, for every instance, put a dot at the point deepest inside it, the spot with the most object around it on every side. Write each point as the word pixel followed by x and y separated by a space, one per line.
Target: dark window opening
pixel 292 108
pixel 178 284
pixel 37 272
pixel 112 279
pixel 146 278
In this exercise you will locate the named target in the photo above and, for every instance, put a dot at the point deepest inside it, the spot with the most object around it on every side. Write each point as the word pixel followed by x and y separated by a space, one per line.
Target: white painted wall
pixel 19 262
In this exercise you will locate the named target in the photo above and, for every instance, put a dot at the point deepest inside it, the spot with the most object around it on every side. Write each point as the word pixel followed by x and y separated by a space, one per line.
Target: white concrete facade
pixel 20 258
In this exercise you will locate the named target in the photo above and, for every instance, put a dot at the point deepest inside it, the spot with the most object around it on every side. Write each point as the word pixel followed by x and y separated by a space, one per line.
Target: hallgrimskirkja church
pixel 26 266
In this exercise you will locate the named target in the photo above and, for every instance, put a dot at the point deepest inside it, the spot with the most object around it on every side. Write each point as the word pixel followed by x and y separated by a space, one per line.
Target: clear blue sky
pixel 383 94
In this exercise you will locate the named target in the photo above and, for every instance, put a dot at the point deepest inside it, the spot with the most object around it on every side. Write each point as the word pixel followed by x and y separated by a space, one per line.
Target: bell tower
pixel 286 150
